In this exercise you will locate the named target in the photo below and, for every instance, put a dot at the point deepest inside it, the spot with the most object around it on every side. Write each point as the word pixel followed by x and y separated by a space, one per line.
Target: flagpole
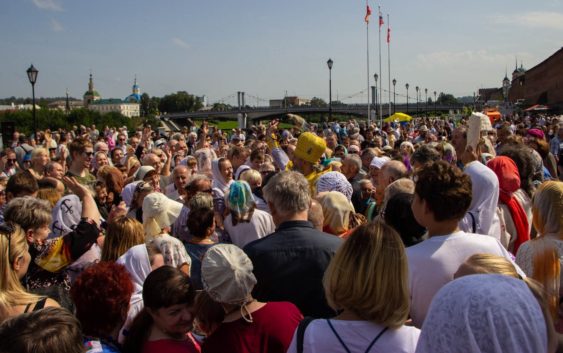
pixel 367 59
pixel 381 73
pixel 389 63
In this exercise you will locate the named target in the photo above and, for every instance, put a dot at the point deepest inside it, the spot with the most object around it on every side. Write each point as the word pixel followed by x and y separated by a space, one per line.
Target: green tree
pixel 318 102
pixel 180 101
pixel 446 99
pixel 221 107
pixel 149 106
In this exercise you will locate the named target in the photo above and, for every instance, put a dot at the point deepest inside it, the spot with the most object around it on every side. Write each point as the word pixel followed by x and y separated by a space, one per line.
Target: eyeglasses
pixel 88 154
pixel 12 160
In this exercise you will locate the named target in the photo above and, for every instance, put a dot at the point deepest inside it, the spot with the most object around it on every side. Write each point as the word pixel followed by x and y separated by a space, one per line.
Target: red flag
pixel 380 18
pixel 368 14
pixel 388 34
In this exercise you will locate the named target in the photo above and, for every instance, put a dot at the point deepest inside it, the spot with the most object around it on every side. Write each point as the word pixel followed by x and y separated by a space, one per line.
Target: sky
pixel 269 48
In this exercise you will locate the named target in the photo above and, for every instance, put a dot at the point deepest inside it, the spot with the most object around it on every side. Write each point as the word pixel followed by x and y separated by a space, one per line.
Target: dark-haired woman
pixel 201 224
pixel 164 324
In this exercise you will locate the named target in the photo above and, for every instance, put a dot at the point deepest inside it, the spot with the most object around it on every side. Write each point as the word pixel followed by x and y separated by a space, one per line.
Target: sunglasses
pixel 88 154
pixel 12 160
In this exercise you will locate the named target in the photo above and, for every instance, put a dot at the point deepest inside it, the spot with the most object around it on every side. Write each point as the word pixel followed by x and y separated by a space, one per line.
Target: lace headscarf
pixel 476 314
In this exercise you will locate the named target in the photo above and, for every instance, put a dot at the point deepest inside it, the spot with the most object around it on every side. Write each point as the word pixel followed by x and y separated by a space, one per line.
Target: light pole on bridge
pixel 435 112
pixel 394 101
pixel 329 64
pixel 426 98
pixel 375 77
pixel 407 87
pixel 416 88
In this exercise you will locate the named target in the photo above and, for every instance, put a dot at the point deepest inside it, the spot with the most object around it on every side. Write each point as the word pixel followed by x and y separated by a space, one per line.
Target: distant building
pixel 489 95
pixel 293 101
pixel 129 107
pixel 15 107
pixel 61 105
pixel 542 84
pixel 134 97
pixel 104 106
pixel 91 95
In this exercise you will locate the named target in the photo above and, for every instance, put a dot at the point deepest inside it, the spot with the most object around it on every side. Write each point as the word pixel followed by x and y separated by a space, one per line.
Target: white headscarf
pixel 483 208
pixel 137 262
pixel 66 215
pixel 128 191
pixel 219 181
pixel 484 313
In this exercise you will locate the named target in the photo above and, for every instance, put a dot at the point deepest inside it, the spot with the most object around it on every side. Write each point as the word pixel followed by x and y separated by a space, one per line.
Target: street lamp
pixel 394 83
pixel 32 76
pixel 407 87
pixel 329 63
pixel 426 97
pixel 375 77
pixel 417 88
pixel 435 112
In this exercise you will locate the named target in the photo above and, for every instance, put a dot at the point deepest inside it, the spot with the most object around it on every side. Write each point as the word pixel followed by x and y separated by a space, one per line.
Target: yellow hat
pixel 310 147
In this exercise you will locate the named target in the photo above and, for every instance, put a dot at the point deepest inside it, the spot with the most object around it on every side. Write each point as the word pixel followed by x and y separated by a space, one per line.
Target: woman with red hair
pixel 101 294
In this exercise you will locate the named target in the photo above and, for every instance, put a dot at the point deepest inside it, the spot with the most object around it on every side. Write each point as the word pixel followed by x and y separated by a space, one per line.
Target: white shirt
pixel 357 335
pixel 260 225
pixel 434 262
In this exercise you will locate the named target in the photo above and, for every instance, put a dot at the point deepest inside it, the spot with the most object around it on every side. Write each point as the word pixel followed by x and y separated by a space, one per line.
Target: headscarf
pixel 226 274
pixel 509 181
pixel 476 313
pixel 128 191
pixel 66 215
pixel 136 261
pixel 335 181
pixel 482 211
pixel 159 212
pixel 240 198
pixel 219 181
pixel 336 210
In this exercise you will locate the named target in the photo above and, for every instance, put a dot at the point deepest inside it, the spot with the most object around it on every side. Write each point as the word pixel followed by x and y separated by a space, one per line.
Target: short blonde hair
pixel 368 276
pixel 251 176
pixel 39 151
pixel 123 233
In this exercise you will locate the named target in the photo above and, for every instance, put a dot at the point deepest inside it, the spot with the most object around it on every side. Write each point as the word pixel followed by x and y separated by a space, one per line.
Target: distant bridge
pixel 268 113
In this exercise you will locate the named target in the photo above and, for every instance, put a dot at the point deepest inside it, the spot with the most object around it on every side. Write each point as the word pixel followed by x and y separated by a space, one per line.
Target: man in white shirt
pixel 442 197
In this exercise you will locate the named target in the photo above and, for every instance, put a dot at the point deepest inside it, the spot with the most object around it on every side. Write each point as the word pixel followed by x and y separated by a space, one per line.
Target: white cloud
pixel 180 43
pixel 50 5
pixel 56 26
pixel 535 19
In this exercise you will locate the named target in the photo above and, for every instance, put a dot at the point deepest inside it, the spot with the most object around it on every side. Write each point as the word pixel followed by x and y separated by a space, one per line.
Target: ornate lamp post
pixel 32 76
pixel 394 96
pixel 407 87
pixel 417 88
pixel 329 64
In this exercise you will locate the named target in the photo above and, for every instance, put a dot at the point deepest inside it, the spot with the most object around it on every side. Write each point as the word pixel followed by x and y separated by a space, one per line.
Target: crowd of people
pixel 329 237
